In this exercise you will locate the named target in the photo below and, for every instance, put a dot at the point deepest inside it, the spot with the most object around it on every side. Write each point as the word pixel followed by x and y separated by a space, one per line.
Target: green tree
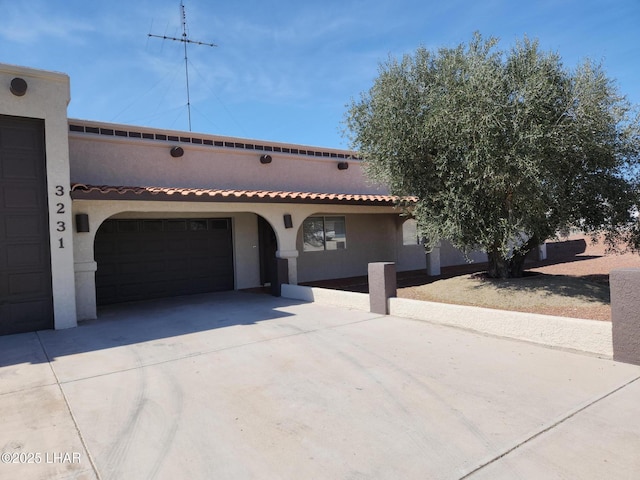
pixel 502 149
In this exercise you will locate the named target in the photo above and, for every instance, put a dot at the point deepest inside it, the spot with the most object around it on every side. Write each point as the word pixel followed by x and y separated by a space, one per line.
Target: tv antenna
pixel 185 41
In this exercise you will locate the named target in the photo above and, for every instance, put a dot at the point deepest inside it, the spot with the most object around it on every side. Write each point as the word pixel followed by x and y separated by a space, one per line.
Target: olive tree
pixel 502 149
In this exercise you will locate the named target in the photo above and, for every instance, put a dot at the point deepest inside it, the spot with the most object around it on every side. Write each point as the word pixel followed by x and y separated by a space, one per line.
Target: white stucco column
pixel 84 264
pixel 433 262
pixel 542 251
pixel 85 282
pixel 287 235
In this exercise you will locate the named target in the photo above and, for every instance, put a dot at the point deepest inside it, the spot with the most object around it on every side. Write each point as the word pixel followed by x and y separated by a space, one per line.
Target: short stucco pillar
pixel 292 258
pixel 382 286
pixel 625 314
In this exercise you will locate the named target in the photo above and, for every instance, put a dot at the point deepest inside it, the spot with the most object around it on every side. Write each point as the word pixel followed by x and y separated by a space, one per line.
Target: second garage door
pixel 151 258
pixel 26 301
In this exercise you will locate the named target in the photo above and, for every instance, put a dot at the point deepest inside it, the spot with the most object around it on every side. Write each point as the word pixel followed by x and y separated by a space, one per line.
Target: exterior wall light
pixel 343 165
pixel 18 86
pixel 177 152
pixel 264 159
pixel 82 222
pixel 288 222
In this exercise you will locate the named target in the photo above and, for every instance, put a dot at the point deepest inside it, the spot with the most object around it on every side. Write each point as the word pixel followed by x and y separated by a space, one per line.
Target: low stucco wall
pixel 338 298
pixel 590 336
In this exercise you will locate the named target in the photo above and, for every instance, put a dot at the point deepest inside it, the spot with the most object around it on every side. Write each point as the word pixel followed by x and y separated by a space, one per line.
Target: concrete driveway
pixel 244 386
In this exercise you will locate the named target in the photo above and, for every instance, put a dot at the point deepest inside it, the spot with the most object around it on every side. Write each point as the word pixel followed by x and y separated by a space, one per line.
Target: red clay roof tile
pixel 81 191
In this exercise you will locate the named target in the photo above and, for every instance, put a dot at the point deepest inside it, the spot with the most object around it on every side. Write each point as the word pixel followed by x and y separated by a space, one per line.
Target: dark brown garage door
pixel 26 302
pixel 153 258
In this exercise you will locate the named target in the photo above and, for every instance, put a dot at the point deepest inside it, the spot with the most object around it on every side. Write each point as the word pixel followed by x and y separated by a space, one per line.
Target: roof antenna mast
pixel 185 40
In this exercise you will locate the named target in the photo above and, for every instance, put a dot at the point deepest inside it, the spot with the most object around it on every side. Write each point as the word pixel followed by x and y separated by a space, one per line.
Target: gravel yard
pixel 573 282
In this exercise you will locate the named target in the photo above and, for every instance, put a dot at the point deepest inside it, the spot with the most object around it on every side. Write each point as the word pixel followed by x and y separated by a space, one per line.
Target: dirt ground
pixel 572 282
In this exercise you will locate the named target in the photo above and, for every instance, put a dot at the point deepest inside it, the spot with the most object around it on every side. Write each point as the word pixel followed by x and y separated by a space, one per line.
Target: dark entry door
pixel 268 248
pixel 26 302
pixel 151 258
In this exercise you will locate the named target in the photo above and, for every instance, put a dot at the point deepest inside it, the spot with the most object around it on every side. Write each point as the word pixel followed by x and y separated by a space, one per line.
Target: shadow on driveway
pixel 145 321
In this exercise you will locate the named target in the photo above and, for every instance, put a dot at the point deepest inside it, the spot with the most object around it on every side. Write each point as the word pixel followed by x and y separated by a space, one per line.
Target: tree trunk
pixel 498 265
pixel 517 264
pixel 501 267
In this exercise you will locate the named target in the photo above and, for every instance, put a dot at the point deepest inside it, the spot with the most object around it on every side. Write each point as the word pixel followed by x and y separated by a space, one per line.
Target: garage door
pixel 152 258
pixel 26 302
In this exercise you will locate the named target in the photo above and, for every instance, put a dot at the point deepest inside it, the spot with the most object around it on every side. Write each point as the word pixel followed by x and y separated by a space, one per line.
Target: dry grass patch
pixel 539 293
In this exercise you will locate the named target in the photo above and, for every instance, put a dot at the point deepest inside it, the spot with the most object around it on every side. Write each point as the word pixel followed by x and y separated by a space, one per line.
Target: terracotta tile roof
pixel 104 192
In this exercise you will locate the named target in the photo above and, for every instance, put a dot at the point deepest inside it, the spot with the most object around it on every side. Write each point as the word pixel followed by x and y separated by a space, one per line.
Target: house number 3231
pixel 60 210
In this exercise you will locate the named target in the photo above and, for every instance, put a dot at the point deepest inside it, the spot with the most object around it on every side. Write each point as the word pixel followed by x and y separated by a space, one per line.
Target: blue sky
pixel 283 70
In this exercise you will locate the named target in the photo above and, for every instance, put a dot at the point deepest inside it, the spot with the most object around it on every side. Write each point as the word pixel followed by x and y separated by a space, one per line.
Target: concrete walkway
pixel 246 386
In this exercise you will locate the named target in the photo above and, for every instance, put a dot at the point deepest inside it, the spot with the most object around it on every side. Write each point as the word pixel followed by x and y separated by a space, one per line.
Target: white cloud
pixel 36 22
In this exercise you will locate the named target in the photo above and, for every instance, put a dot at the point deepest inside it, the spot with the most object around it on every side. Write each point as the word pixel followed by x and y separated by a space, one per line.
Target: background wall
pixel 452 256
pixel 370 238
pixel 111 160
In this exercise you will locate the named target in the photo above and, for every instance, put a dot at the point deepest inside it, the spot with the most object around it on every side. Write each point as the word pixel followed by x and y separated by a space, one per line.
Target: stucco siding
pixel 408 257
pixel 449 255
pixel 245 250
pixel 370 238
pixel 104 160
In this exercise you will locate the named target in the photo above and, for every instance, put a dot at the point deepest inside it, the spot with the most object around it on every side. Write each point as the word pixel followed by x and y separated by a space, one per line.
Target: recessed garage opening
pixel 140 259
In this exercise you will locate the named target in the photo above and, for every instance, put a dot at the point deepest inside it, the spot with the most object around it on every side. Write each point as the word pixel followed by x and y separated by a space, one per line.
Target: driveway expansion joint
pixel 73 418
pixel 549 428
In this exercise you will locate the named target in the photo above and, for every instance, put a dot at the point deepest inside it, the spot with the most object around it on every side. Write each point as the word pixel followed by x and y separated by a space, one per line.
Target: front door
pixel 268 247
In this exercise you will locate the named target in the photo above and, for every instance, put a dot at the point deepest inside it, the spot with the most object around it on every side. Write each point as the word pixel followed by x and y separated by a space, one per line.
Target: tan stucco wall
pixel 110 160
pixel 449 255
pixel 47 98
pixel 116 160
pixel 408 257
pixel 370 238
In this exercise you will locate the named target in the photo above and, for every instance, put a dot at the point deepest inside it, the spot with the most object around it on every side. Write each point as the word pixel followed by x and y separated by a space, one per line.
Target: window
pixel 410 232
pixel 313 234
pixel 324 233
pixel 197 224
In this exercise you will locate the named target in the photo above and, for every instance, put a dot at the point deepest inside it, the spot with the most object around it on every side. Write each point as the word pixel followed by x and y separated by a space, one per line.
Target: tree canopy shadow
pixel 542 284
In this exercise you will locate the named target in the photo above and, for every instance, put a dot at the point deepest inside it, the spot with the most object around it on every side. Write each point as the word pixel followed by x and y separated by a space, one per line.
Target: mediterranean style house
pixel 93 213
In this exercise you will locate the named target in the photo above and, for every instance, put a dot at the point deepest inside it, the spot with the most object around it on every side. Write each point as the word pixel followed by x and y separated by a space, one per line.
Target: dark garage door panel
pixel 26 302
pixel 144 259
